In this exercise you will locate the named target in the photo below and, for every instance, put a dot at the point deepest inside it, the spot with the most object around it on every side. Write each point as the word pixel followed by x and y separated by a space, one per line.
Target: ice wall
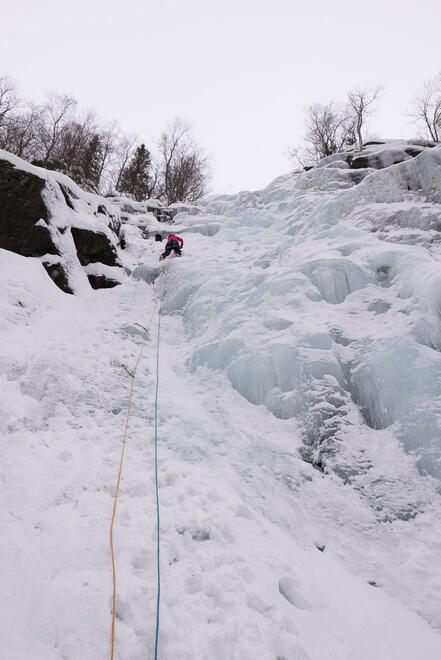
pixel 319 299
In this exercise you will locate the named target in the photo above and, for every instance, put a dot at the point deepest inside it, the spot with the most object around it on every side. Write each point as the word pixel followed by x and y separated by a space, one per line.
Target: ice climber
pixel 174 243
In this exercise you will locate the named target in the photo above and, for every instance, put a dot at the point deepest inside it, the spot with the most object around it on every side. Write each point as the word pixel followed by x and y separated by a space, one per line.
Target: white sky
pixel 241 71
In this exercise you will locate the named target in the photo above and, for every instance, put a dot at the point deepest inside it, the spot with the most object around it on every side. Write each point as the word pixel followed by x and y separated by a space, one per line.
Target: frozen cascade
pixel 324 268
pixel 299 431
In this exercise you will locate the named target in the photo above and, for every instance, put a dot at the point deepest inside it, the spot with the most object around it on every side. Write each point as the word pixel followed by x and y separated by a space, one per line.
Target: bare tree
pixel 183 167
pixel 8 104
pixel 98 157
pixel 74 139
pixel 428 107
pixel 86 150
pixel 169 146
pixel 329 130
pixel 124 148
pixel 8 97
pixel 108 140
pixel 303 156
pixel 18 134
pixel 55 117
pixel 186 177
pixel 360 103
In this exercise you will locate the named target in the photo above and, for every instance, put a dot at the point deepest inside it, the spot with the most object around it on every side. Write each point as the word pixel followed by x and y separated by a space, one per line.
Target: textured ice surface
pixel 322 242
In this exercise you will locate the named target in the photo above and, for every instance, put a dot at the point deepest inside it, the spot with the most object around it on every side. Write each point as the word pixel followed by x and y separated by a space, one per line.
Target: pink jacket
pixel 170 237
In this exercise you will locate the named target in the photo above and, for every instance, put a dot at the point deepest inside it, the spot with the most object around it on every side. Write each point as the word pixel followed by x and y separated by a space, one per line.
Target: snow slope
pixel 299 453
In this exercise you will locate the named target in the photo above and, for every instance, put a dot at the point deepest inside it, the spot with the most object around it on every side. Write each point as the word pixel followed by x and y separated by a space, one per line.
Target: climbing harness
pixel 132 374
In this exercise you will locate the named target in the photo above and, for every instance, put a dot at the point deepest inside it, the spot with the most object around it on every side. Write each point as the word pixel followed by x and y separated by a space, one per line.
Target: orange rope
pixel 115 501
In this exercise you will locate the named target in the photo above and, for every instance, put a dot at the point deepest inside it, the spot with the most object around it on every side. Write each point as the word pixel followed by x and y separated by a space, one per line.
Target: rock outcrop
pixel 375 155
pixel 102 282
pixel 44 214
pixel 385 157
pixel 24 216
pixel 93 246
pixel 58 274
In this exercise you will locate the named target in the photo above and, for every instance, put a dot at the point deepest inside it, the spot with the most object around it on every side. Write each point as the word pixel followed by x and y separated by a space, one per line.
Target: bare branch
pixel 360 103
pixel 329 130
pixel 124 149
pixel 184 168
pixel 55 116
pixel 8 97
pixel 427 108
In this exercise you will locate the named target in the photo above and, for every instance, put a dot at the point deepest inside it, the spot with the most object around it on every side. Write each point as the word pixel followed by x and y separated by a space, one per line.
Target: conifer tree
pixel 136 177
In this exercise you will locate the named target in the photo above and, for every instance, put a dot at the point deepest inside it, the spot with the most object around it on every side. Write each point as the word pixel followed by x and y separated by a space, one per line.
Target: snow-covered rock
pixel 375 155
pixel 44 214
pixel 130 207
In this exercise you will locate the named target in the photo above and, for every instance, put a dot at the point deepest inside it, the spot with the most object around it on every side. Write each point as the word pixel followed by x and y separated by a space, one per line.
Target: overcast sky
pixel 242 71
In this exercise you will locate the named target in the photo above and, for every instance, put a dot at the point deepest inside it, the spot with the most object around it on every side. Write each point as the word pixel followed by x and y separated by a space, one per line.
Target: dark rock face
pixel 32 224
pixel 413 151
pixel 113 222
pixel 361 162
pixel 101 282
pixel 21 207
pixel 373 142
pixel 58 274
pixel 67 194
pixel 378 161
pixel 94 246
pixel 122 241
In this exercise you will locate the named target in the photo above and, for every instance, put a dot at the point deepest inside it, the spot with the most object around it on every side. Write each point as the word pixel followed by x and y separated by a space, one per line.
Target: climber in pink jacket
pixel 174 243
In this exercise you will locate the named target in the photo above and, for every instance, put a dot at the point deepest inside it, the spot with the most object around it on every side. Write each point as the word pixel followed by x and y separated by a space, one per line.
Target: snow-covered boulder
pixel 385 156
pixel 44 214
pixel 375 155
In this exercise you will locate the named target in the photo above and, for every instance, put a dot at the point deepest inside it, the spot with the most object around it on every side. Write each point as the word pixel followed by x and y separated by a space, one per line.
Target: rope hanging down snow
pixel 123 446
pixel 158 546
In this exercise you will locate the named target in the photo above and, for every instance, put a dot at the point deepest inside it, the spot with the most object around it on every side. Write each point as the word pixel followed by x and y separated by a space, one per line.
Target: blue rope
pixel 158 548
